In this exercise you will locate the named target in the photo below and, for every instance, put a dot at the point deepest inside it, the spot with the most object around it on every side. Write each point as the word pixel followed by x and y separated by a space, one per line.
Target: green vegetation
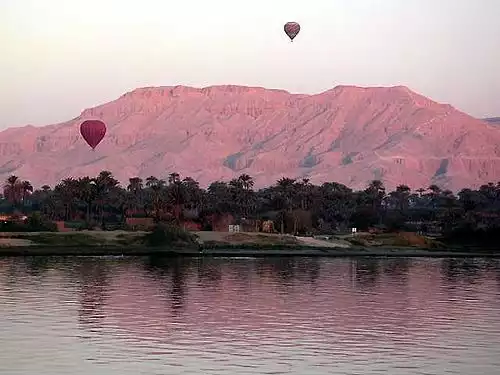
pixel 33 223
pixel 63 239
pixel 399 239
pixel 439 217
pixel 169 235
pixel 254 241
pixel 162 235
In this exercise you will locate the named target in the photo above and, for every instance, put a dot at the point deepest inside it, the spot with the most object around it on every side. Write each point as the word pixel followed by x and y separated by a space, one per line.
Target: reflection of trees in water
pixel 242 271
pixel 93 278
pixel 280 269
pixel 10 270
pixel 283 268
pixel 287 270
pixel 367 272
pixel 497 273
pixel 397 268
pixel 173 271
pixel 462 269
pixel 38 266
pixel 209 272
pixel 308 269
pixel 491 267
pixel 178 292
pixel 15 269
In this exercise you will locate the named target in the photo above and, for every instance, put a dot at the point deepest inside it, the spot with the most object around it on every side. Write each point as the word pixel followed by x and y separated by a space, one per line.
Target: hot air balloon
pixel 292 29
pixel 93 131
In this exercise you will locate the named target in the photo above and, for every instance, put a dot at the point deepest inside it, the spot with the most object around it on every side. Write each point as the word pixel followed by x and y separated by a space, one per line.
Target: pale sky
pixel 58 57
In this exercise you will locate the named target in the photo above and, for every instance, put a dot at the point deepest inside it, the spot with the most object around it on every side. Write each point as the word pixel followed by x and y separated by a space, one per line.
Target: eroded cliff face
pixel 348 134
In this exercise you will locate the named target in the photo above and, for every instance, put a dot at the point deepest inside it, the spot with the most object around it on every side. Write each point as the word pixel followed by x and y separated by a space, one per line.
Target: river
pixel 107 316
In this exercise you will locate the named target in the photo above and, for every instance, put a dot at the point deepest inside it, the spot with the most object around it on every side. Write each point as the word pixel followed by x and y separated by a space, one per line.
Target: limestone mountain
pixel 347 134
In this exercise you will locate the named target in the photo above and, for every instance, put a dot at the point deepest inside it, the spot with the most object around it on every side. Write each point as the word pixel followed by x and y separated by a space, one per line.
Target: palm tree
pixel 135 184
pixel 87 193
pixel 375 193
pixel 105 186
pixel 287 191
pixel 151 181
pixel 219 198
pixel 176 194
pixel 26 191
pixel 246 182
pixel 156 188
pixel 401 197
pixel 12 190
pixel 285 196
pixel 66 192
pixel 194 197
pixel 305 190
pixel 174 178
pixel 243 195
pixel 45 200
pixel 135 188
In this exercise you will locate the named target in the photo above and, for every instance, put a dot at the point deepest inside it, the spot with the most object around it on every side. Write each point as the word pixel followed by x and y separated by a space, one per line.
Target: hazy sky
pixel 58 57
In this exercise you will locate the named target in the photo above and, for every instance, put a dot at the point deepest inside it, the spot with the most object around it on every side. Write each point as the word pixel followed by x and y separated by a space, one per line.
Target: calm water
pixel 104 316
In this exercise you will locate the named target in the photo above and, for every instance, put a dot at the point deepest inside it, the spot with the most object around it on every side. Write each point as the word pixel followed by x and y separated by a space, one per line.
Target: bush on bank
pixel 167 235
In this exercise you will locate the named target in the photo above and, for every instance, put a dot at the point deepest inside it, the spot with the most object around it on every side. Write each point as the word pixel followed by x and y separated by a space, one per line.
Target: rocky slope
pixel 346 134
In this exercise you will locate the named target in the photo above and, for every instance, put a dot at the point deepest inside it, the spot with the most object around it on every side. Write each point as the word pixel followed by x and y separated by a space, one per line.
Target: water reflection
pixel 469 270
pixel 397 268
pixel 38 266
pixel 367 272
pixel 243 316
pixel 93 281
pixel 172 272
pixel 209 272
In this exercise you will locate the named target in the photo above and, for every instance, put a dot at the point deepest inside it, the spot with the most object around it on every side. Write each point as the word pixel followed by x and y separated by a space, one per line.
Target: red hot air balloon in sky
pixel 292 29
pixel 93 131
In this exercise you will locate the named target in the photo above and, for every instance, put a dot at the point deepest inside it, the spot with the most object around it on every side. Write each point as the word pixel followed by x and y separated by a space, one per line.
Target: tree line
pixel 294 205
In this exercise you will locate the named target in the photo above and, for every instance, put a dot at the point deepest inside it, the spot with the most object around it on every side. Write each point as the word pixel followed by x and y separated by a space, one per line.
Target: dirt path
pixel 309 241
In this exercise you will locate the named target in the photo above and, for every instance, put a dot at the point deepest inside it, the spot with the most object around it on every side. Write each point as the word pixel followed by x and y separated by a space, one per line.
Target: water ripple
pixel 249 316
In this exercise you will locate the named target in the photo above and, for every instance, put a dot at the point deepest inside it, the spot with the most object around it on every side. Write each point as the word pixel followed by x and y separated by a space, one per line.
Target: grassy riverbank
pixel 174 241
pixel 177 239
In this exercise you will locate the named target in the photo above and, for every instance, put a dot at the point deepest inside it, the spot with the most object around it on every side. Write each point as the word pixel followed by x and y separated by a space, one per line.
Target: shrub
pixel 10 226
pixel 36 223
pixel 165 234
pixel 65 239
pixel 77 225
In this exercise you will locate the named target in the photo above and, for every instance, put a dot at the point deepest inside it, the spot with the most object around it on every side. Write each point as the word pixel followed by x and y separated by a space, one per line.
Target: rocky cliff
pixel 347 134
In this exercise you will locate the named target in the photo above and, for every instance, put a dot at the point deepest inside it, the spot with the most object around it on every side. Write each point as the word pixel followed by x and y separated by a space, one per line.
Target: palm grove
pixel 295 206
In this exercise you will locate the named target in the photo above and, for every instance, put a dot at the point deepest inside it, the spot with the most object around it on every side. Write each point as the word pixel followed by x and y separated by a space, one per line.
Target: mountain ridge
pixel 349 134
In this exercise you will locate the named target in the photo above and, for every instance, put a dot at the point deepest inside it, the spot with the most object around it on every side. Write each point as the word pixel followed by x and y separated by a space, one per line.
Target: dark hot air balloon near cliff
pixel 93 131
pixel 292 29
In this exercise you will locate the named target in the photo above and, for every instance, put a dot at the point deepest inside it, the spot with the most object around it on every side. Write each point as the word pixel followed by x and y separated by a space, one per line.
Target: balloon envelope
pixel 93 132
pixel 292 29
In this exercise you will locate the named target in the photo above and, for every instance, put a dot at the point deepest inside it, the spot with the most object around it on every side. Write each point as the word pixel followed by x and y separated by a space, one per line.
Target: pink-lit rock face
pixel 347 134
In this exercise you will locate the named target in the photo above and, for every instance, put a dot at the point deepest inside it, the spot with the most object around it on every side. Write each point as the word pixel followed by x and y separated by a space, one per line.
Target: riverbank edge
pixel 241 252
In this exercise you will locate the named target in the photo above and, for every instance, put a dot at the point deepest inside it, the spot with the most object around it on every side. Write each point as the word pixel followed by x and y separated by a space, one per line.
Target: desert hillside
pixel 347 134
